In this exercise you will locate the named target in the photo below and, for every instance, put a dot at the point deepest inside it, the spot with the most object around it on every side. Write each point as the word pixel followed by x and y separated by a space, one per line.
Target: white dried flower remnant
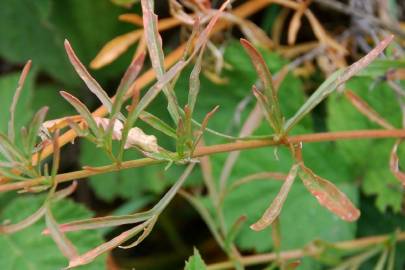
pixel 136 137
pixel 117 129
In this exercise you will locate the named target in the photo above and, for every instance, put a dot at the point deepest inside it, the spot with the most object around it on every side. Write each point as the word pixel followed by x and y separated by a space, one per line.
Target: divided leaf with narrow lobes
pixel 136 137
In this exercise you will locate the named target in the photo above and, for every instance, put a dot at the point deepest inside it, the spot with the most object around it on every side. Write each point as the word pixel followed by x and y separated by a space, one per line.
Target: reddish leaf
pixel 328 195
pixel 274 209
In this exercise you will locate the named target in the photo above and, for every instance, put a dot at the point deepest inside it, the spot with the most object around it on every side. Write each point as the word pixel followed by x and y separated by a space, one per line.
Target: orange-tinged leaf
pixel 114 48
pixel 394 163
pixel 131 18
pixel 275 207
pixel 328 195
pixel 321 33
pixel 295 22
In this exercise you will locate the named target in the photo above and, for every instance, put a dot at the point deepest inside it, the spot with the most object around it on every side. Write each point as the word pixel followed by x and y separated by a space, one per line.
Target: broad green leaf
pixel 28 249
pixel 195 262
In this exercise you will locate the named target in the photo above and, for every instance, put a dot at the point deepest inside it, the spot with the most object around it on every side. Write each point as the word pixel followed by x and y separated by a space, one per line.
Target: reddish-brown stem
pixel 214 149
pixel 299 253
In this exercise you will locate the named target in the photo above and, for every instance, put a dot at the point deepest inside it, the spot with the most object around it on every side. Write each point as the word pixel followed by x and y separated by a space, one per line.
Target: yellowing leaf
pixel 114 48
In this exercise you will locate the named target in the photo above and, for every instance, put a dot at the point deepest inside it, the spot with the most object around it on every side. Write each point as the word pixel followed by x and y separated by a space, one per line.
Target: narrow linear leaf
pixel 102 222
pixel 83 111
pixel 326 88
pixel 64 244
pixel 269 90
pixel 114 48
pixel 10 175
pixel 149 97
pixel 157 124
pixel 365 60
pixel 91 83
pixel 203 126
pixel 146 231
pixel 91 255
pixel 394 163
pixel 335 80
pixel 233 232
pixel 33 130
pixel 195 82
pixel 12 228
pixel 328 195
pixel 9 150
pixel 275 207
pixel 205 34
pixel 205 215
pixel 263 104
pixel 129 77
pixel 20 85
pixel 154 44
